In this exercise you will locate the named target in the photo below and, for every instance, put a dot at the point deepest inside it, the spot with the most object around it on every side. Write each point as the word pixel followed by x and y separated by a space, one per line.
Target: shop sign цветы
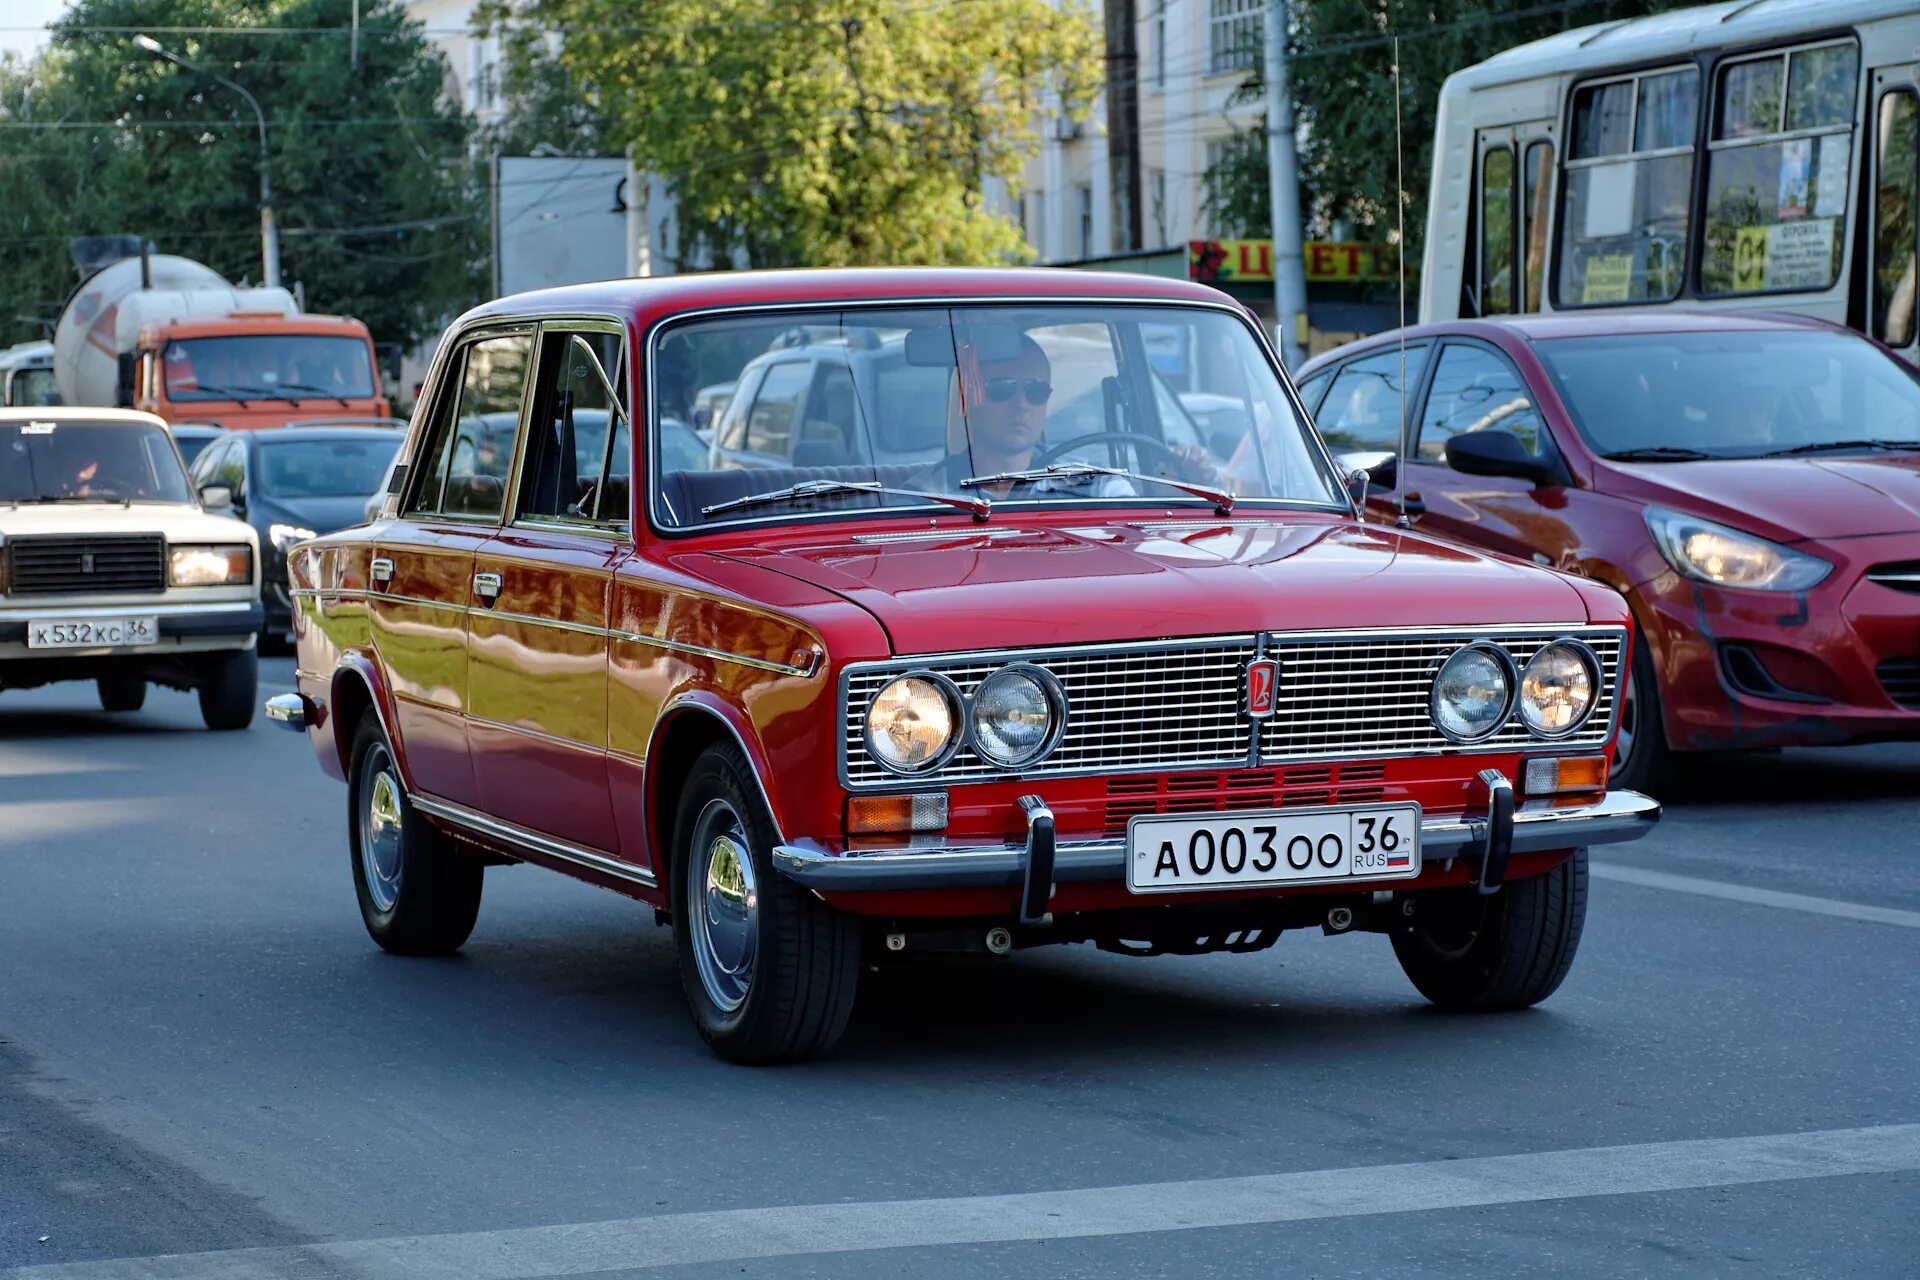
pixel 1326 261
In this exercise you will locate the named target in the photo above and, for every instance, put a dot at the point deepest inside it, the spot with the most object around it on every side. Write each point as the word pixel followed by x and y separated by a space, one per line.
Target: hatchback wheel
pixel 419 892
pixel 1642 761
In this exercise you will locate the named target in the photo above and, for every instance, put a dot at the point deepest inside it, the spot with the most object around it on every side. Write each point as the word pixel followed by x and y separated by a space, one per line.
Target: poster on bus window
pixel 1830 181
pixel 1787 255
pixel 1796 170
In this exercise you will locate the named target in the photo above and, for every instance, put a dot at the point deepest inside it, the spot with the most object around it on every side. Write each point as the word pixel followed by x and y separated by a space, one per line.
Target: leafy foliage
pixel 378 207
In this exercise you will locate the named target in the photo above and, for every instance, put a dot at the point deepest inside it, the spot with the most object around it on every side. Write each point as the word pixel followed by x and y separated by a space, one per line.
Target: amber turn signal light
pixel 1558 775
pixel 883 815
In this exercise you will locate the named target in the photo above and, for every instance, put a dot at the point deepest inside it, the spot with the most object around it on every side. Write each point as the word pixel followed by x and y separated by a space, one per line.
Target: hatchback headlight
pixel 228 564
pixel 1558 689
pixel 1726 557
pixel 913 723
pixel 1473 694
pixel 1018 713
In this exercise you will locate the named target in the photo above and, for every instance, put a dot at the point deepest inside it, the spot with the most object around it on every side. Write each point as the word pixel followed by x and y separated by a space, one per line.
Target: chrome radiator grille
pixel 1366 694
pixel 1129 707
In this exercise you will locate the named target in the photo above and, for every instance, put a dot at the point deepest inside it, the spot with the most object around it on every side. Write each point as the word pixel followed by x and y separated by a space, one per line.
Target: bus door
pixel 1513 195
pixel 1893 239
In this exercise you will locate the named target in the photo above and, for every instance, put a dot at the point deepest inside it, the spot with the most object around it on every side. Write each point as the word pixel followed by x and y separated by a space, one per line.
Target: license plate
pixel 91 633
pixel 1292 846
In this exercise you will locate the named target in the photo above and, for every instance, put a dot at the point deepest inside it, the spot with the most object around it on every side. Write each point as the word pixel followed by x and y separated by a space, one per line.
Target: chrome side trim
pixel 533 841
pixel 419 601
pixel 580 628
pixel 542 734
pixel 718 655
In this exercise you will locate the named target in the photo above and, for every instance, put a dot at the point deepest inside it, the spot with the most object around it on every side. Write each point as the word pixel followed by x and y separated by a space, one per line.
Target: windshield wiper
pixel 1825 446
pixel 980 507
pixel 231 393
pixel 1657 453
pixel 1222 500
pixel 321 391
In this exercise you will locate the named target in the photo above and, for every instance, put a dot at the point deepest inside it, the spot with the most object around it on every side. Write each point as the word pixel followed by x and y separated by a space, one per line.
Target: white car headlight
pixel 1473 693
pixel 223 564
pixel 1017 715
pixel 913 723
pixel 285 535
pixel 1558 689
pixel 1713 553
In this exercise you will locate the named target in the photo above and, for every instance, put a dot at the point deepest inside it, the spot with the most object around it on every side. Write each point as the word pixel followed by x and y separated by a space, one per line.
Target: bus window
pixel 1893 219
pixel 1496 232
pixel 1623 234
pixel 1777 171
pixel 1535 209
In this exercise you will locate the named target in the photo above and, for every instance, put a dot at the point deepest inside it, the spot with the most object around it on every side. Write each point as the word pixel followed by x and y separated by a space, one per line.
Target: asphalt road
pixel 201 1053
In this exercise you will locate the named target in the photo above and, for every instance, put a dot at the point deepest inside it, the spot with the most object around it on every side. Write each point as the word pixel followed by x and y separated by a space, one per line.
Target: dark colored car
pixel 294 483
pixel 193 437
pixel 1751 483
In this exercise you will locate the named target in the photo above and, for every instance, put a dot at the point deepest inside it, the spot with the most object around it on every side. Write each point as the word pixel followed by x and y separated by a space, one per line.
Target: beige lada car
pixel 113 570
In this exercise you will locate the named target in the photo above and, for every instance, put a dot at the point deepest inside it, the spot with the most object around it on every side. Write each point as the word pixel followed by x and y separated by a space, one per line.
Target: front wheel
pixel 1642 760
pixel 1505 950
pixel 121 693
pixel 769 971
pixel 419 894
pixel 229 686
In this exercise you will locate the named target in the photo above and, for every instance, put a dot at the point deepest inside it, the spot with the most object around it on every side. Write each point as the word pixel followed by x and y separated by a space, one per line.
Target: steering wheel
pixel 1172 457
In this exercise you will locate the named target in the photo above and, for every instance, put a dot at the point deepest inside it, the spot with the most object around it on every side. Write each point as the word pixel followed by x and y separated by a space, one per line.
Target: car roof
pixel 78 413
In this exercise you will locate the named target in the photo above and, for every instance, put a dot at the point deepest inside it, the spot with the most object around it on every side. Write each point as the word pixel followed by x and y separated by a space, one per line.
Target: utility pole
pixel 1123 125
pixel 1283 190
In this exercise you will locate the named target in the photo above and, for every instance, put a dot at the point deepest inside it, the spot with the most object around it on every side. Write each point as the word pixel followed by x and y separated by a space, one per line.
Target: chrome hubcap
pixel 723 905
pixel 380 827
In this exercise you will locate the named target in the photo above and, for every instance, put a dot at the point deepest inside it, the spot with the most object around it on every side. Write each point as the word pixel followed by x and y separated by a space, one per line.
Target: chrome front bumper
pixel 1537 826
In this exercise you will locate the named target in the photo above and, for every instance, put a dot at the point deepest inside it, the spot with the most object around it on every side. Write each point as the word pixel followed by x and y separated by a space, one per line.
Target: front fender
pixel 708 704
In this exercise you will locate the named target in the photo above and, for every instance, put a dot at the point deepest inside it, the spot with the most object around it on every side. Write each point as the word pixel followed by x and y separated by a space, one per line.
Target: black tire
pixel 1506 950
pixel 229 688
pixel 1642 760
pixel 429 905
pixel 800 960
pixel 121 693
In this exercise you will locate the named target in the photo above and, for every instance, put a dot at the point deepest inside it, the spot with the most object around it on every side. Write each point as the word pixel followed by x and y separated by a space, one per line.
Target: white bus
pixel 1756 154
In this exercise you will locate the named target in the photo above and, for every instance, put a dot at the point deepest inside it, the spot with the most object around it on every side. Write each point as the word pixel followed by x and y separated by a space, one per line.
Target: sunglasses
pixel 1001 390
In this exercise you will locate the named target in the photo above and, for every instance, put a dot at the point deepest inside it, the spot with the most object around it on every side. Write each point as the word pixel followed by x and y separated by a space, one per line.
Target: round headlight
pixel 911 724
pixel 1016 714
pixel 1558 689
pixel 1473 693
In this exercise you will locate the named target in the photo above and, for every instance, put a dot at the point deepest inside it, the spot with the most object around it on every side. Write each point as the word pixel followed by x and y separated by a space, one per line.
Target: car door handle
pixel 381 570
pixel 487 586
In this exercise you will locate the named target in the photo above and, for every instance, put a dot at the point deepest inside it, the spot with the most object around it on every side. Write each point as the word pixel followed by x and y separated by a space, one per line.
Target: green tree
pixel 374 191
pixel 794 133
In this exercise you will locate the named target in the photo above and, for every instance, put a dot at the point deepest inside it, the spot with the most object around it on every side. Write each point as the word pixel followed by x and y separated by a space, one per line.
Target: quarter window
pixel 1364 405
pixel 1776 205
pixel 1475 390
pixel 1896 153
pixel 1623 233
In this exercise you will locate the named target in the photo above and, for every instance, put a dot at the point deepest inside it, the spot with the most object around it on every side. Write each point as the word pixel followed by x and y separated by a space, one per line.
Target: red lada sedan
pixel 963 635
pixel 1751 484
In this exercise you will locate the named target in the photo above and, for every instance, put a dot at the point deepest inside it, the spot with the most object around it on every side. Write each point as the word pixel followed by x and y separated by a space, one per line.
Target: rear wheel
pixel 769 972
pixel 121 693
pixel 1505 950
pixel 419 893
pixel 229 686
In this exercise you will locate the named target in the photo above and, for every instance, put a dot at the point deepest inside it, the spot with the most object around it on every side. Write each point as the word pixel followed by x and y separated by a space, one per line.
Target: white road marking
pixel 1757 897
pixel 731 1235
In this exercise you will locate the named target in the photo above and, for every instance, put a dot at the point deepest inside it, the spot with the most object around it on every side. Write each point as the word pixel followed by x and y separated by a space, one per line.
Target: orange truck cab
pixel 257 369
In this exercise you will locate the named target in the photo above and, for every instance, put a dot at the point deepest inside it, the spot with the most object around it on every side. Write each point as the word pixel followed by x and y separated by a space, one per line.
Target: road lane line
pixel 788 1231
pixel 1757 897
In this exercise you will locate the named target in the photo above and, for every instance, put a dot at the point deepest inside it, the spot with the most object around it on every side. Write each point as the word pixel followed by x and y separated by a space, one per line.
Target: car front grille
pixel 1900 677
pixel 1900 577
pixel 1180 706
pixel 40 566
pixel 1209 792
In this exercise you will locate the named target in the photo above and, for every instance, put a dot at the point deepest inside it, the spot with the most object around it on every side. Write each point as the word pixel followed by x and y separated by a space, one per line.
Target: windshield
pixel 280 366
pixel 89 462
pixel 324 468
pixel 1733 394
pixel 33 386
pixel 1060 405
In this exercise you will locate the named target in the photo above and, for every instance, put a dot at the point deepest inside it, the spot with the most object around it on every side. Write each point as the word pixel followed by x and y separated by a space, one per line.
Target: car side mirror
pixel 217 497
pixel 1498 453
pixel 1369 469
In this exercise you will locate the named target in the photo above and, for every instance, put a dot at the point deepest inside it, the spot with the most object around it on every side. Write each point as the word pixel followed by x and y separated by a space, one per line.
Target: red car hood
pixel 1018 586
pixel 1787 499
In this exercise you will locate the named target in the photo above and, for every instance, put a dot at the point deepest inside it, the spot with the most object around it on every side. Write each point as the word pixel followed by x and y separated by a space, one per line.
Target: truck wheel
pixel 769 972
pixel 121 693
pixel 1506 950
pixel 229 686
pixel 1642 760
pixel 419 894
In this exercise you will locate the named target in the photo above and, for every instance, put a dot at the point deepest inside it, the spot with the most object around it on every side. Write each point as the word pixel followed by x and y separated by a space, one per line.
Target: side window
pixel 578 413
pixel 1896 152
pixel 201 470
pixel 1535 213
pixel 1629 179
pixel 470 450
pixel 1496 232
pixel 1363 405
pixel 774 416
pixel 233 470
pixel 831 434
pixel 1313 388
pixel 1474 389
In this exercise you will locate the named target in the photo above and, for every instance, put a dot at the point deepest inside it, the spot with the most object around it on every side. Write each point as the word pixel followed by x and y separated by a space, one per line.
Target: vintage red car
pixel 963 634
pixel 1751 483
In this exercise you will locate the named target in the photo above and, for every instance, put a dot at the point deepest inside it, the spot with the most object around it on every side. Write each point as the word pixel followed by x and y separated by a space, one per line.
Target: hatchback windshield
pixel 1065 404
pixel 68 461
pixel 277 367
pixel 324 468
pixel 1734 394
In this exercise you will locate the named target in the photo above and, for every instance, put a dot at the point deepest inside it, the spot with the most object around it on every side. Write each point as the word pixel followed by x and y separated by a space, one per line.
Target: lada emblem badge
pixel 1263 676
pixel 86 562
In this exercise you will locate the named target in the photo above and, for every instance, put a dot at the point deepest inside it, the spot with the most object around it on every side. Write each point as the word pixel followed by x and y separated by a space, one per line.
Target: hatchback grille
pixel 1900 577
pixel 1900 677
pixel 86 565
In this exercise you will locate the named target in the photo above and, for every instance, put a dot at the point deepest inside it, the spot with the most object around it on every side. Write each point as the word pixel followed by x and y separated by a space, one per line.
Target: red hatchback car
pixel 965 635
pixel 1750 483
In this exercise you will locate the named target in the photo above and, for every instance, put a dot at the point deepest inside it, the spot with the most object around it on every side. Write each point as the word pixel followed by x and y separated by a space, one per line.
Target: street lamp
pixel 269 233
